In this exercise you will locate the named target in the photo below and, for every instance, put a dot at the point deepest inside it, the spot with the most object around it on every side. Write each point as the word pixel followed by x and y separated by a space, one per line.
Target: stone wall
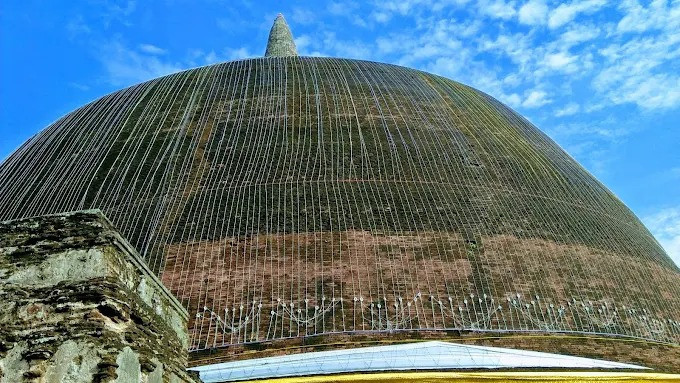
pixel 77 304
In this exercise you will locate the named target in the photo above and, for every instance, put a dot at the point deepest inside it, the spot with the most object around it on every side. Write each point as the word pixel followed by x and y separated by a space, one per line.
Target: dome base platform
pixel 661 357
pixel 485 377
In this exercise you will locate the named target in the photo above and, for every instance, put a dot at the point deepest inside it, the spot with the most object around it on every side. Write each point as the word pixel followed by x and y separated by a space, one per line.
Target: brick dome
pixel 285 199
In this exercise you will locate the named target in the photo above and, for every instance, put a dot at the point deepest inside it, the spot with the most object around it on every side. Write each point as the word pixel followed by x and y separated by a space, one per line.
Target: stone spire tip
pixel 280 42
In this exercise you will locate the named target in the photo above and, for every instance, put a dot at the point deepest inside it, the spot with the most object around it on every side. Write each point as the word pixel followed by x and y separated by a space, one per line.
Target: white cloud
pixel 348 9
pixel 433 46
pixel 115 11
pixel 565 13
pixel 568 110
pixel 198 57
pixel 536 98
pixel 660 91
pixel 389 45
pixel 513 100
pixel 578 34
pixel 656 16
pixel 328 44
pixel 386 8
pixel 359 21
pixel 534 12
pixel 518 47
pixel 348 49
pixel 497 9
pixel 152 49
pixel 240 53
pixel 607 129
pixel 211 58
pixel 381 17
pixel 512 80
pixel 339 8
pixel 126 66
pixel 561 61
pixel 640 71
pixel 302 44
pixel 402 7
pixel 665 225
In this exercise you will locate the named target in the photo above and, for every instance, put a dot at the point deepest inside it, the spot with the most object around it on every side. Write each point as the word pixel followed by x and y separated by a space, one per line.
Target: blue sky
pixel 601 78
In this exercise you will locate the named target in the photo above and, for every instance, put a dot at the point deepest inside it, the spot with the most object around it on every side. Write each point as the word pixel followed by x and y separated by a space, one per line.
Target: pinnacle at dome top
pixel 289 197
pixel 280 42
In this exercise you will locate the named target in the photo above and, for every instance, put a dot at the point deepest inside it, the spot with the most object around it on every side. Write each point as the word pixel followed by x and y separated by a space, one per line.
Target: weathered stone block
pixel 78 304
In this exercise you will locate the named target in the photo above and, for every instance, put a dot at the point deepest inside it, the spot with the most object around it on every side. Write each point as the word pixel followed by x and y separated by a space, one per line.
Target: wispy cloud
pixel 536 98
pixel 665 225
pixel 635 72
pixel 79 86
pixel 152 49
pixel 569 110
pixel 199 57
pixel 576 34
pixel 126 66
pixel 350 10
pixel 118 11
pixel 608 129
pixel 77 26
pixel 562 61
pixel 565 13
pixel 533 12
pixel 657 15
pixel 497 9
pixel 240 53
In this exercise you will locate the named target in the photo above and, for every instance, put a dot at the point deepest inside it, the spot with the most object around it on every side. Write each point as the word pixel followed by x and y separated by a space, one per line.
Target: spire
pixel 280 41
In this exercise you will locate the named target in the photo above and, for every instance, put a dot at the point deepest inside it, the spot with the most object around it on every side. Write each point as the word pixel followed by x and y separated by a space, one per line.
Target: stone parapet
pixel 78 304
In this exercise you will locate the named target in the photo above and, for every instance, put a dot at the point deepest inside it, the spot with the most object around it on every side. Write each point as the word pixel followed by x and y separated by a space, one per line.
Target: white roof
pixel 412 356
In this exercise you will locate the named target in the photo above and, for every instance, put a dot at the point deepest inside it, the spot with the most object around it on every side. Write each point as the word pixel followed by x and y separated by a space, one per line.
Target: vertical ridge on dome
pixel 280 42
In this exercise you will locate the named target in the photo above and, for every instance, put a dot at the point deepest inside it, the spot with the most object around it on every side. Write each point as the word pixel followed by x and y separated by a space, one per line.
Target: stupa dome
pixel 291 200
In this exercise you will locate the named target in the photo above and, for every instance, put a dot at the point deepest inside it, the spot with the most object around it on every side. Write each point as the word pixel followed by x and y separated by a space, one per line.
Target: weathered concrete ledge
pixel 78 304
